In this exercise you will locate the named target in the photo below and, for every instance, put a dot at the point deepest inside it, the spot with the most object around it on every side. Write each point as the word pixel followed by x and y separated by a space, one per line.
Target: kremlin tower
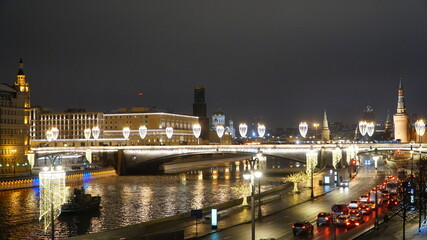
pixel 401 118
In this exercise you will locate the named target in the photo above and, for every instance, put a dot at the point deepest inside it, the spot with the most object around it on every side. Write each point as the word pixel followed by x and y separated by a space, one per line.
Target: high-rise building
pixel 325 128
pixel 15 124
pixel 199 110
pixel 401 118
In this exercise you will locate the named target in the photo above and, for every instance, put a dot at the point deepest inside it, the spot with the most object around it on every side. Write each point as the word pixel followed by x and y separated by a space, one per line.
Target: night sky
pixel 279 61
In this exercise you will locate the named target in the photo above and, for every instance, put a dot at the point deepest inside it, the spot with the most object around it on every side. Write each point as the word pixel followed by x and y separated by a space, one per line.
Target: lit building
pixel 218 118
pixel 401 118
pixel 72 124
pixel 156 123
pixel 14 124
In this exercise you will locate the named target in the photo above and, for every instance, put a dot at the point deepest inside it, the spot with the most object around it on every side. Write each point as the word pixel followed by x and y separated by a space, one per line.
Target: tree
pixel 244 191
pixel 296 178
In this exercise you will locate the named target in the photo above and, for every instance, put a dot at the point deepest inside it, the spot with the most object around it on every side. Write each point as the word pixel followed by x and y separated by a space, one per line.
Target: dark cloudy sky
pixel 280 61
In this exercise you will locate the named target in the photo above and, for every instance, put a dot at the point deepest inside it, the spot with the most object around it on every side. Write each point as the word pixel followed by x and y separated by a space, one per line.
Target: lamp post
pixel 220 132
pixel 311 163
pixel 376 157
pixel 315 125
pixel 169 132
pixel 87 132
pixel 197 130
pixel 126 133
pixel 370 129
pixel 142 130
pixel 251 174
pixel 362 128
pixel 261 130
pixel 243 129
pixel 303 128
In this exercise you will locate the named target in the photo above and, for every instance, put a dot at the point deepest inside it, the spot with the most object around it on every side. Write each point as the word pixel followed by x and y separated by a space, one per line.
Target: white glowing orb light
pixel 49 135
pixel 220 131
pixel 336 157
pixel 243 129
pixel 303 129
pixel 126 133
pixel 370 128
pixel 55 133
pixel 169 132
pixel 420 127
pixel 87 132
pixel 261 130
pixel 52 195
pixel 142 131
pixel 197 130
pixel 362 127
pixel 95 132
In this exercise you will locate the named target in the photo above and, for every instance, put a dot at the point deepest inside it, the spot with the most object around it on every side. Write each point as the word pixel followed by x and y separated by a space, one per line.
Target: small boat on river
pixel 80 201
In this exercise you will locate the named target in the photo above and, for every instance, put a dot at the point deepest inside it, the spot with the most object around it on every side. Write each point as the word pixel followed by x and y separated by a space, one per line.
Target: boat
pixel 80 201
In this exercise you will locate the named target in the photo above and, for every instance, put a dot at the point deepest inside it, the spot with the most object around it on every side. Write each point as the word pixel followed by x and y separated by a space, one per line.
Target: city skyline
pixel 281 62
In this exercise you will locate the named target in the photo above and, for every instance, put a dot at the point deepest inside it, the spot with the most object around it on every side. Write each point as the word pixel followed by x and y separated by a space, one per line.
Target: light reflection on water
pixel 126 200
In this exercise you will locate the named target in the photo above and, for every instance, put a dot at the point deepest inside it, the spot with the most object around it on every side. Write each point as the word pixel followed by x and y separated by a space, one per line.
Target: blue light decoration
pixel 214 218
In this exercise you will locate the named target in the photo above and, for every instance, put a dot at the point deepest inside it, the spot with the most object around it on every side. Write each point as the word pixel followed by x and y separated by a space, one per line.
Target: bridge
pixel 151 158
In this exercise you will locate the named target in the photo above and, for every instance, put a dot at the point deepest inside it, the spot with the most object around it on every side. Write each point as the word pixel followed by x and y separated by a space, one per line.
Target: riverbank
pixel 30 181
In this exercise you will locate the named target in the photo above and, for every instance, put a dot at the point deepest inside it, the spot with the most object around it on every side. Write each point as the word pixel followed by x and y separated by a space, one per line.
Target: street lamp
pixel 87 132
pixel 251 174
pixel 220 132
pixel 197 130
pixel 126 133
pixel 261 130
pixel 142 130
pixel 420 127
pixel 169 132
pixel 311 163
pixel 303 128
pixel 243 129
pixel 315 125
pixel 95 133
pixel 370 129
pixel 362 127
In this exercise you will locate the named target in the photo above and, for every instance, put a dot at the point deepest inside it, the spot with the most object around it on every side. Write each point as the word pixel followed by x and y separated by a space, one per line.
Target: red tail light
pixel 357 224
pixel 347 223
pixel 293 226
pixel 303 226
pixel 326 218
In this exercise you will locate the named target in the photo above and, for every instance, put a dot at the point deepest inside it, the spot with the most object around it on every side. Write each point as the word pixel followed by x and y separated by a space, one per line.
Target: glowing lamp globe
pixel 95 132
pixel 258 174
pixel 246 175
pixel 142 131
pixel 303 129
pixel 197 130
pixel 126 133
pixel 49 135
pixel 87 133
pixel 243 129
pixel 261 130
pixel 370 129
pixel 220 131
pixel 362 127
pixel 169 132
pixel 55 133
pixel 420 127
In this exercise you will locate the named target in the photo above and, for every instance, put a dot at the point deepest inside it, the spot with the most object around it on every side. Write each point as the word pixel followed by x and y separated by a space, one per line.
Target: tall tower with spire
pixel 325 128
pixel 401 118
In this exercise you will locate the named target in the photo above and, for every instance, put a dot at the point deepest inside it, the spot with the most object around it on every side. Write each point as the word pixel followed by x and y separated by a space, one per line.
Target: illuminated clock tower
pixel 401 118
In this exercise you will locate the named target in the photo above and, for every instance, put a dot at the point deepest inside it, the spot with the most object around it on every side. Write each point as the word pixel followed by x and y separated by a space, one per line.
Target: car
pixel 365 209
pixel 345 183
pixel 304 227
pixel 341 220
pixel 354 213
pixel 352 222
pixel 324 218
pixel 353 205
pixel 339 209
pixel 364 198
pixel 371 204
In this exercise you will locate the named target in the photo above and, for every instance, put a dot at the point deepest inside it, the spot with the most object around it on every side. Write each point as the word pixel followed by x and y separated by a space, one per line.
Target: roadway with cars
pixel 279 225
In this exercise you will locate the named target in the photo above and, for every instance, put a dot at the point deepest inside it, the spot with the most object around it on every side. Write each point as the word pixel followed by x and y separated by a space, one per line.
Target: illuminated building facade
pixel 325 128
pixel 72 124
pixel 401 118
pixel 14 124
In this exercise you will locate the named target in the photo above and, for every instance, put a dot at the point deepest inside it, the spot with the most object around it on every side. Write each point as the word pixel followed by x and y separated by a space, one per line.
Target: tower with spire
pixel 325 128
pixel 401 118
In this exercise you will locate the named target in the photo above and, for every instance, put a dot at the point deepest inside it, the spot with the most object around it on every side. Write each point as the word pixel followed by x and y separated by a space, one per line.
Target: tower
pixel 199 110
pixel 325 128
pixel 401 118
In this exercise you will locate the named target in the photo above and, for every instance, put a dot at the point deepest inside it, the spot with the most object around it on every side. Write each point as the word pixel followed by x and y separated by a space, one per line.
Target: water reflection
pixel 125 200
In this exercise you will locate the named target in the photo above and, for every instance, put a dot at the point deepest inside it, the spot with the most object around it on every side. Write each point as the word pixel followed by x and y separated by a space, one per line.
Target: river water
pixel 125 200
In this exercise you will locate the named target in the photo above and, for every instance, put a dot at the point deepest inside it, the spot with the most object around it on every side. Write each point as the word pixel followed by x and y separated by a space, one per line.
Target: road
pixel 279 225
